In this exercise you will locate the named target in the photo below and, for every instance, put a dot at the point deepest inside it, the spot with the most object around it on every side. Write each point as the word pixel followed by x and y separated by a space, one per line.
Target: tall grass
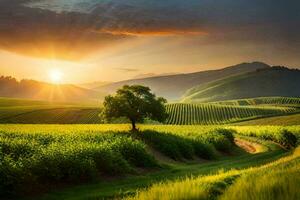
pixel 277 180
pixel 34 155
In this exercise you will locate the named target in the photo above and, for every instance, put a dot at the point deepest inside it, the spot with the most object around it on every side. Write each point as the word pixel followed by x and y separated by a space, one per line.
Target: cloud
pixel 74 29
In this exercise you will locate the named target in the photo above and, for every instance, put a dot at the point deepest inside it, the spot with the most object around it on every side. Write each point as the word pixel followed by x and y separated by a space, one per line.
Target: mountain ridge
pixel 173 87
pixel 31 89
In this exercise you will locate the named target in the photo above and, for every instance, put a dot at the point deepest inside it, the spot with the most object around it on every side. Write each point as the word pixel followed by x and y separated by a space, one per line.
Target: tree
pixel 135 103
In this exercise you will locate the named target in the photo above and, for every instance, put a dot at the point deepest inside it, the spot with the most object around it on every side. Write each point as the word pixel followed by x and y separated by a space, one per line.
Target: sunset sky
pixel 111 40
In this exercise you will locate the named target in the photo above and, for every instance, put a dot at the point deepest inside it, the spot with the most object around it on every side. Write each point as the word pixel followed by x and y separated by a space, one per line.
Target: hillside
pixel 173 87
pixel 30 89
pixel 275 81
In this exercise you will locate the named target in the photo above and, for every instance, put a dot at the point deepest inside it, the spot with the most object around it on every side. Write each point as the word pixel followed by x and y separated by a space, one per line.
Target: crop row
pixel 189 114
pixel 34 154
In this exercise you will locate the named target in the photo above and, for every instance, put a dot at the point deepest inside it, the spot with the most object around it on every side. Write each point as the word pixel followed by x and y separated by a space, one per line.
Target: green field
pixel 203 152
pixel 288 120
pixel 288 101
pixel 34 157
pixel 185 114
pixel 39 112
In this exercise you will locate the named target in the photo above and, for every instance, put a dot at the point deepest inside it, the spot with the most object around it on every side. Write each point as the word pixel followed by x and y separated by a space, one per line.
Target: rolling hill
pixel 30 89
pixel 275 81
pixel 173 87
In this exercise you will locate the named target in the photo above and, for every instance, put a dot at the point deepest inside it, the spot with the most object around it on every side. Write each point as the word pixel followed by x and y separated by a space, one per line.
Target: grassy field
pixel 288 120
pixel 288 101
pixel 34 157
pixel 276 180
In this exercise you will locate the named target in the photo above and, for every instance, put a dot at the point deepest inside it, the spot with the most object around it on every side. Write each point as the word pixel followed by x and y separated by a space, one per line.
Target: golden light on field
pixel 56 76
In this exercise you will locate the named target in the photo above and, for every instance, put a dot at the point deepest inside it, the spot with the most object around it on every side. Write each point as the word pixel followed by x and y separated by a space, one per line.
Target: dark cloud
pixel 73 30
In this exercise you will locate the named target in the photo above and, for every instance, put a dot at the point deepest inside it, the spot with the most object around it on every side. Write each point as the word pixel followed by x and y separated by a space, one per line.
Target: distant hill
pixel 173 87
pixel 30 89
pixel 275 81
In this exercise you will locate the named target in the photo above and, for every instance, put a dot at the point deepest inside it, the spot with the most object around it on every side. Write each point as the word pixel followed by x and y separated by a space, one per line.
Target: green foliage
pixel 171 145
pixel 135 103
pixel 32 158
pixel 288 137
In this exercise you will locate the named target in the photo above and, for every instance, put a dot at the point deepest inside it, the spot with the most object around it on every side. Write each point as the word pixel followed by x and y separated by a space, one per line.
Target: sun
pixel 56 76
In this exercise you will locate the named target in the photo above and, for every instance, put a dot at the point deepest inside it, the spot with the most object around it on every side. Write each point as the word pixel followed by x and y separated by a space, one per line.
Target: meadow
pixel 277 180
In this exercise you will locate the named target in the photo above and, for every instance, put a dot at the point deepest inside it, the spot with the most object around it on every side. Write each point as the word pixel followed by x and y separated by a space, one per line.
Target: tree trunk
pixel 133 125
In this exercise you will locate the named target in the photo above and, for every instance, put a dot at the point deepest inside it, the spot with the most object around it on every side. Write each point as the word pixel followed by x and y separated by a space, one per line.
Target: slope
pixel 275 81
pixel 173 87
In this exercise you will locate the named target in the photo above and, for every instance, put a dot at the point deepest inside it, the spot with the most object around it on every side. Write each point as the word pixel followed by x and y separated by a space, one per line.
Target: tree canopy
pixel 136 103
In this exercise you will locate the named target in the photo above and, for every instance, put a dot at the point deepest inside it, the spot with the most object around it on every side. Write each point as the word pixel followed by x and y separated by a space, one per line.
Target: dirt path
pixel 248 146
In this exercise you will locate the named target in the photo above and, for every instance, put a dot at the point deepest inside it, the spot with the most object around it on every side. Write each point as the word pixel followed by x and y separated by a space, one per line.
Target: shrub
pixel 27 160
pixel 286 138
pixel 166 143
pixel 220 142
pixel 228 133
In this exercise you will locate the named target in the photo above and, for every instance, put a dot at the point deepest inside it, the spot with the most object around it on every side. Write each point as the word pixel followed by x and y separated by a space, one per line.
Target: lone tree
pixel 135 103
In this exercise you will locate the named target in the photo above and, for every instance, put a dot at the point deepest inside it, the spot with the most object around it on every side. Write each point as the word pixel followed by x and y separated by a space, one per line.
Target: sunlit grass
pixel 277 180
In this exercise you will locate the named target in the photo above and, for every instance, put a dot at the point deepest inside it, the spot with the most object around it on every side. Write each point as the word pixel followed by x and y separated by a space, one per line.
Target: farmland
pixel 185 114
pixel 74 154
pixel 41 112
pixel 201 146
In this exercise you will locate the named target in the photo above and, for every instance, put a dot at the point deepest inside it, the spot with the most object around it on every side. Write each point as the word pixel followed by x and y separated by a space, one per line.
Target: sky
pixel 112 40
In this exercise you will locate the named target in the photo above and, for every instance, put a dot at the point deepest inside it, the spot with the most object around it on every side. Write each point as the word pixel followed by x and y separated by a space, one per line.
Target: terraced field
pixel 188 114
